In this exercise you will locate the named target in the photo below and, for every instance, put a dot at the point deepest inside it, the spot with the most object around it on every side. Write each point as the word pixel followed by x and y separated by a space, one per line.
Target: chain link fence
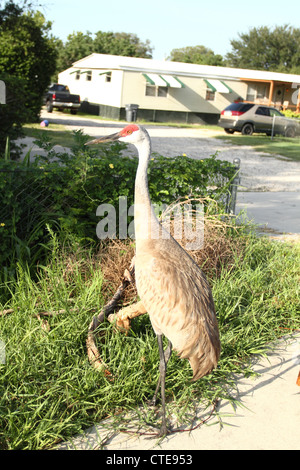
pixel 27 205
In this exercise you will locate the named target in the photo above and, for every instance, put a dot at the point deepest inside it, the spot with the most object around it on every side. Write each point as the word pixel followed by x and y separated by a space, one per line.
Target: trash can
pixel 131 112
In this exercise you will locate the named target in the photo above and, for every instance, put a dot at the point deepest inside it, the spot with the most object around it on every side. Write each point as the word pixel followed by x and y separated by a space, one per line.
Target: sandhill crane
pixel 172 288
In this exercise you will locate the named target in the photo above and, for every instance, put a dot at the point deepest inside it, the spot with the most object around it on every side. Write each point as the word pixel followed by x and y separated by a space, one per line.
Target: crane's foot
pixel 164 431
pixel 126 314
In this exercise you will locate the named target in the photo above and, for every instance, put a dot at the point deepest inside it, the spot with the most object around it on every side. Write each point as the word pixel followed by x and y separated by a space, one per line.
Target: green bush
pixel 14 113
pixel 64 190
pixel 291 114
pixel 27 51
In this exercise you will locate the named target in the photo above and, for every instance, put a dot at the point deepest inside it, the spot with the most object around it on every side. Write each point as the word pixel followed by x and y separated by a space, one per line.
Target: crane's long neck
pixel 145 221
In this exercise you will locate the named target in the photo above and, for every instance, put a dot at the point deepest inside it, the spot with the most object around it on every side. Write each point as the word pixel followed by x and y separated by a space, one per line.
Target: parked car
pixel 248 118
pixel 59 96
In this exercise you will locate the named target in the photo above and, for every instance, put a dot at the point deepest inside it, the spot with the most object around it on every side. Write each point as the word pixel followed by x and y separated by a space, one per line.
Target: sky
pixel 170 24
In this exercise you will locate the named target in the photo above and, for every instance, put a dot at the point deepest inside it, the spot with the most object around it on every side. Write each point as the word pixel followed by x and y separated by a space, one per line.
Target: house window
pixel 108 77
pixel 257 92
pixel 77 75
pixel 261 92
pixel 251 93
pixel 89 76
pixel 210 95
pixel 160 91
pixel 150 90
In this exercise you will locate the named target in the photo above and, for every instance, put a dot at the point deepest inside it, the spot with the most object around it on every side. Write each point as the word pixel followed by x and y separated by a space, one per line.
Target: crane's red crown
pixel 129 130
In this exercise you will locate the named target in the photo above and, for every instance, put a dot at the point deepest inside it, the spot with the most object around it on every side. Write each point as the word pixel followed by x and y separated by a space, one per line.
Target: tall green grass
pixel 49 391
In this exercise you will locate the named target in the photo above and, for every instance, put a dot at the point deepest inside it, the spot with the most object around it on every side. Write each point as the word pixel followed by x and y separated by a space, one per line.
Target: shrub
pixel 27 51
pixel 64 190
pixel 14 113
pixel 291 114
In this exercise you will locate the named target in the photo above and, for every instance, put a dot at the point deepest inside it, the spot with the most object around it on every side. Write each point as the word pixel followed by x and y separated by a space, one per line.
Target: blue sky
pixel 170 24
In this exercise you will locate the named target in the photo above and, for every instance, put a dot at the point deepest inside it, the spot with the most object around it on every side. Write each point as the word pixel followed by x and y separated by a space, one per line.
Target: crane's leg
pixel 167 355
pixel 163 360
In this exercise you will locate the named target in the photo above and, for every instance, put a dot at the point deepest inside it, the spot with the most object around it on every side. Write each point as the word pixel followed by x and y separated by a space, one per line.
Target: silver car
pixel 248 118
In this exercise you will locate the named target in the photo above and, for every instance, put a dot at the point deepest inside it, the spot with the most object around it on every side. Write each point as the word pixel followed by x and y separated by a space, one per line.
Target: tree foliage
pixel 196 55
pixel 127 44
pixel 27 61
pixel 265 49
pixel 79 45
pixel 27 52
pixel 12 114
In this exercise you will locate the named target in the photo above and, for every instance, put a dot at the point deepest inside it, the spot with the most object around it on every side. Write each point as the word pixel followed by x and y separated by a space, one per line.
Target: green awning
pixel 218 85
pixel 75 71
pixel 149 80
pixel 227 86
pixel 163 80
pixel 210 86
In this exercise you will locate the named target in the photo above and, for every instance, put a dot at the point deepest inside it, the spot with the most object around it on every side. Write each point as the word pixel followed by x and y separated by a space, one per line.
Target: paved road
pixel 274 212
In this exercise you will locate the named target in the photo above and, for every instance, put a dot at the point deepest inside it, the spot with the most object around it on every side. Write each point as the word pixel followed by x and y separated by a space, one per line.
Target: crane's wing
pixel 179 301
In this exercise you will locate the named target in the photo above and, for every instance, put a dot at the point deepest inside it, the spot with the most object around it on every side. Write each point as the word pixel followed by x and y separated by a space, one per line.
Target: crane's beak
pixel 107 138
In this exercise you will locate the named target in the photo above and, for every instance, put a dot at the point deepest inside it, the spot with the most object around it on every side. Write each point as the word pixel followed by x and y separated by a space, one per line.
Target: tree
pixel 277 50
pixel 79 45
pixel 125 44
pixel 27 52
pixel 196 55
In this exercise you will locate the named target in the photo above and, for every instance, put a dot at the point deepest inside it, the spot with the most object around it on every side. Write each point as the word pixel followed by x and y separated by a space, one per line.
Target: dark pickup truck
pixel 59 96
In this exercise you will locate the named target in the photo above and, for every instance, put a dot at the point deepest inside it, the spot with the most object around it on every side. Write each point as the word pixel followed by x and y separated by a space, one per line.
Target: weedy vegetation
pixel 56 276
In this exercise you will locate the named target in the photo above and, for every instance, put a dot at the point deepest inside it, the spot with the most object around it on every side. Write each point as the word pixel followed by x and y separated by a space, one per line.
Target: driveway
pixel 270 186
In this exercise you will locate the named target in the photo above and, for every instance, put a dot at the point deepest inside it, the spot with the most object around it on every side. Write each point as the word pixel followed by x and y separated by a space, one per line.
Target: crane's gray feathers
pixel 179 302
pixel 171 286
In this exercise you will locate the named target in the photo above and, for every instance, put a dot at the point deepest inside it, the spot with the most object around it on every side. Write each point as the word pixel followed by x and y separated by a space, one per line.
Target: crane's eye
pixel 128 130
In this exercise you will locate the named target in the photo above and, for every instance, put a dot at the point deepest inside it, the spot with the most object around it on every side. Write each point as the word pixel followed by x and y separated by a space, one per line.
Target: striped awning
pixel 163 80
pixel 217 85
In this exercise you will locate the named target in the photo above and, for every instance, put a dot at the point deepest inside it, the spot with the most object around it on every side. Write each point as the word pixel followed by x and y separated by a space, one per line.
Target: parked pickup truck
pixel 59 96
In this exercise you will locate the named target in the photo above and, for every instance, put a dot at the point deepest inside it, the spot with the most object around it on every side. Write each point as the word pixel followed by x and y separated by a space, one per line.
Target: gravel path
pixel 259 171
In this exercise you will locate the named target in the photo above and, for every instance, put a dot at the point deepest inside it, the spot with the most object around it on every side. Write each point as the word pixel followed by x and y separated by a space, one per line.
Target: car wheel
pixel 229 131
pixel 290 132
pixel 49 107
pixel 247 129
pixel 73 111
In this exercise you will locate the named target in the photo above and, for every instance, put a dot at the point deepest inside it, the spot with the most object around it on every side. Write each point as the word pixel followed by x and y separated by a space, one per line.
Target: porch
pixel 281 95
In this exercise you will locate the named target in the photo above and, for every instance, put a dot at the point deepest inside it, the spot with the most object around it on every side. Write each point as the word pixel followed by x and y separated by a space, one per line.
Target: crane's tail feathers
pixel 202 366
